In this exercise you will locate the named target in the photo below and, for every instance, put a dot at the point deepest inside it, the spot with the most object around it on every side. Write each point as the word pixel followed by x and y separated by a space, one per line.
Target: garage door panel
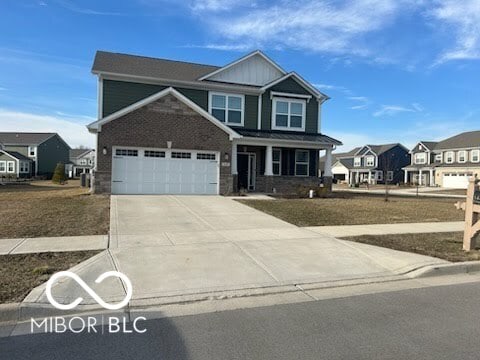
pixel 146 173
pixel 456 180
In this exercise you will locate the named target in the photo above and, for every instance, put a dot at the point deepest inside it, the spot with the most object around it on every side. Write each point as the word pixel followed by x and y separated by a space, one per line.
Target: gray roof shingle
pixel 75 153
pixel 149 67
pixel 24 138
pixel 463 140
pixel 17 155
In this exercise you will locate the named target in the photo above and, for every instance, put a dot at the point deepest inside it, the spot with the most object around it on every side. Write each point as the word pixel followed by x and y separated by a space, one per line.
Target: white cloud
pixel 463 19
pixel 389 110
pixel 338 27
pixel 417 107
pixel 74 133
pixel 362 102
pixel 217 5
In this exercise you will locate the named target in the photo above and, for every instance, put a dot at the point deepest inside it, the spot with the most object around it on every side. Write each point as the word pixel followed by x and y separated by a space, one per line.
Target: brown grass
pixel 356 209
pixel 43 209
pixel 446 246
pixel 20 273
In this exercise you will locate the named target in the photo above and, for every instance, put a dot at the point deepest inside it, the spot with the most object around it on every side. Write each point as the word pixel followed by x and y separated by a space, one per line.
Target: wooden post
pixel 472 210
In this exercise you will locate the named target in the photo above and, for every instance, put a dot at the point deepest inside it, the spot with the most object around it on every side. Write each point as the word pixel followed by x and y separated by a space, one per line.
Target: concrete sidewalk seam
pixel 257 262
pixel 17 246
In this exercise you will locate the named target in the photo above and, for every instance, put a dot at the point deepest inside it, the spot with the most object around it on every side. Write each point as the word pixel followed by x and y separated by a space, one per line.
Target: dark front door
pixel 242 168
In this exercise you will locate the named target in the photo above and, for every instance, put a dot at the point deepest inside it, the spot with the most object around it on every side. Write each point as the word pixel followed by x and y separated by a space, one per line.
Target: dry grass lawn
pixel 355 209
pixel 446 246
pixel 44 209
pixel 20 273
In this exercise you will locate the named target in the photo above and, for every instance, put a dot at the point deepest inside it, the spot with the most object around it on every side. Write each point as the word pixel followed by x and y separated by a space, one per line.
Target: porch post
pixel 369 177
pixel 233 164
pixel 405 179
pixel 420 177
pixel 327 171
pixel 268 161
pixel 432 178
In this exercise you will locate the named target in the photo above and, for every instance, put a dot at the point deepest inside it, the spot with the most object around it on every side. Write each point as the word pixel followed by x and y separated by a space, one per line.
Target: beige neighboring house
pixel 448 163
pixel 82 161
pixel 341 165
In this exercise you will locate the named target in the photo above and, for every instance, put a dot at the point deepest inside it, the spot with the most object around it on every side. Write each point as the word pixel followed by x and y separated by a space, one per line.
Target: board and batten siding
pixel 50 153
pixel 290 86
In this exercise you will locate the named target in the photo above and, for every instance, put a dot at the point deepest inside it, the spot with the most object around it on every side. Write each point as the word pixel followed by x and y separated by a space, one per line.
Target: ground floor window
pixel 10 166
pixel 277 161
pixel 24 167
pixel 3 166
pixel 379 176
pixel 301 162
pixel 389 175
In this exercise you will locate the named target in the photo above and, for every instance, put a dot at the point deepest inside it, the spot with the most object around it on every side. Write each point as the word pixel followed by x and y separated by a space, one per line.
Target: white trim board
pixel 96 126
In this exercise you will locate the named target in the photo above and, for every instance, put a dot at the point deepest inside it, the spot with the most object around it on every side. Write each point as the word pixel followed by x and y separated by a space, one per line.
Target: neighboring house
pixel 14 165
pixel 172 127
pixel 373 164
pixel 39 153
pixel 448 163
pixel 82 161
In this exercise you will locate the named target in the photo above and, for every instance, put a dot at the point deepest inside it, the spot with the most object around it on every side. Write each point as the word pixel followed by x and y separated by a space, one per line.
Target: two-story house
pixel 24 154
pixel 372 164
pixel 173 127
pixel 448 163
pixel 82 161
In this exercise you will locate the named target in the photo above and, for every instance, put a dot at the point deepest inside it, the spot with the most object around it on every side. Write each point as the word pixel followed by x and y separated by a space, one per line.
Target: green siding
pixel 290 86
pixel 120 94
pixel 20 149
pixel 50 153
pixel 251 112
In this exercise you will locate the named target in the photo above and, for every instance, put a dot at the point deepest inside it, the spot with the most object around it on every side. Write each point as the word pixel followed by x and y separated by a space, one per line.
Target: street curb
pixel 446 269
pixel 9 312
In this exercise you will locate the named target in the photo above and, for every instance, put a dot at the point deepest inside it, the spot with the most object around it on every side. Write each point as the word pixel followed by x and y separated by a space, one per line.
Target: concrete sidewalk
pixel 182 248
pixel 385 229
pixel 53 244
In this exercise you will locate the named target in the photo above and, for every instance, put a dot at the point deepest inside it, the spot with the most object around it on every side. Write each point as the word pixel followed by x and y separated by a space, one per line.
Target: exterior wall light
pixel 104 150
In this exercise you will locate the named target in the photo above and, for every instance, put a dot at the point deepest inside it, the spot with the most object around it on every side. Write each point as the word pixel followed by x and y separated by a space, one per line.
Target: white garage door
pixel 162 171
pixel 456 180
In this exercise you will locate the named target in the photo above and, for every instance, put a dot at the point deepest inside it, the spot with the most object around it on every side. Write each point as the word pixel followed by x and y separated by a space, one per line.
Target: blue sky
pixel 396 70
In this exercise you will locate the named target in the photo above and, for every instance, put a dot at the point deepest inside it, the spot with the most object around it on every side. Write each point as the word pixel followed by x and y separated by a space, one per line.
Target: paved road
pixel 428 323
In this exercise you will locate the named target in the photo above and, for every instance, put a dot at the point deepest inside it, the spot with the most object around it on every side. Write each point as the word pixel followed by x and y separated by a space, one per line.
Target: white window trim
pixel 379 175
pixel 355 164
pixel 3 164
pixel 24 167
pixel 452 157
pixel 465 156
pixel 34 148
pixel 288 127
pixel 389 175
pixel 472 154
pixel 8 167
pixel 422 156
pixel 302 162
pixel 242 110
pixel 438 157
pixel 369 157
pixel 279 161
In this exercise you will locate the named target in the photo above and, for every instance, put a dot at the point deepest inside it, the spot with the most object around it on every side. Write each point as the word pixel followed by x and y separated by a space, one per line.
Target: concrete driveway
pixel 182 245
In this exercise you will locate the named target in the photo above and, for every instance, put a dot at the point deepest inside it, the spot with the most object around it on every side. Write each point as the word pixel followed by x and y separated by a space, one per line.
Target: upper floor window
pixel 462 156
pixel 227 108
pixel 32 151
pixel 420 158
pixel 438 157
pixel 288 114
pixel 357 161
pixel 475 155
pixel 370 160
pixel 449 157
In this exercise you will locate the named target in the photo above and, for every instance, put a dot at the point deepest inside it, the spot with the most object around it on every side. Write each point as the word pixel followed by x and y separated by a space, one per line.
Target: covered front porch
pixel 361 176
pixel 279 166
pixel 421 176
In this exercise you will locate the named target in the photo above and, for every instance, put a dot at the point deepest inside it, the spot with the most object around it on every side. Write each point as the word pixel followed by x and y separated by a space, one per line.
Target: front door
pixel 246 171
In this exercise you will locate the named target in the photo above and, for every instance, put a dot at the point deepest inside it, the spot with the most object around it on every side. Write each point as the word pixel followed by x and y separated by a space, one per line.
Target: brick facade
pixel 289 184
pixel 166 119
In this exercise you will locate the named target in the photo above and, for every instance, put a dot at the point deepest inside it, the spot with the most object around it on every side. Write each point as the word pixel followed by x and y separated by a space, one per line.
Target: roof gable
pixel 96 126
pixel 299 80
pixel 253 69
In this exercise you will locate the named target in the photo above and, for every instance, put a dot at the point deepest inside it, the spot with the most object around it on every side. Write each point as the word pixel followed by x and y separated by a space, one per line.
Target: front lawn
pixel 446 246
pixel 356 209
pixel 44 209
pixel 20 273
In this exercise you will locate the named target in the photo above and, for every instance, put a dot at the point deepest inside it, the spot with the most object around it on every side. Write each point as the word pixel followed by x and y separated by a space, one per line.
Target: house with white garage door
pixel 174 127
pixel 448 163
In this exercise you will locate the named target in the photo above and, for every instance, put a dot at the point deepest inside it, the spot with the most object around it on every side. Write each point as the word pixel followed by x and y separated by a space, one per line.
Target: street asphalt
pixel 424 323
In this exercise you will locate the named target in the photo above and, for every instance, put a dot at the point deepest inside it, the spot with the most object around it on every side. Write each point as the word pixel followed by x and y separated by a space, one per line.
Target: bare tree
pixel 390 163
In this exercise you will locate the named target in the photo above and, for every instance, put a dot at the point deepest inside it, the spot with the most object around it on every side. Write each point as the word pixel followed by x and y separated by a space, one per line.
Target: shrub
pixel 59 174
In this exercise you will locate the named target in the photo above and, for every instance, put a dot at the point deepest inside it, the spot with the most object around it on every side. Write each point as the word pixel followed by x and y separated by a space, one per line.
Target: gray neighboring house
pixel 25 154
pixel 448 163
pixel 82 161
pixel 373 164
pixel 174 127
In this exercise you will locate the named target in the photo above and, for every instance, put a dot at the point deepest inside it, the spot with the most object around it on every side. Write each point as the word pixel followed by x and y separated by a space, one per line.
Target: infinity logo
pixel 89 290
